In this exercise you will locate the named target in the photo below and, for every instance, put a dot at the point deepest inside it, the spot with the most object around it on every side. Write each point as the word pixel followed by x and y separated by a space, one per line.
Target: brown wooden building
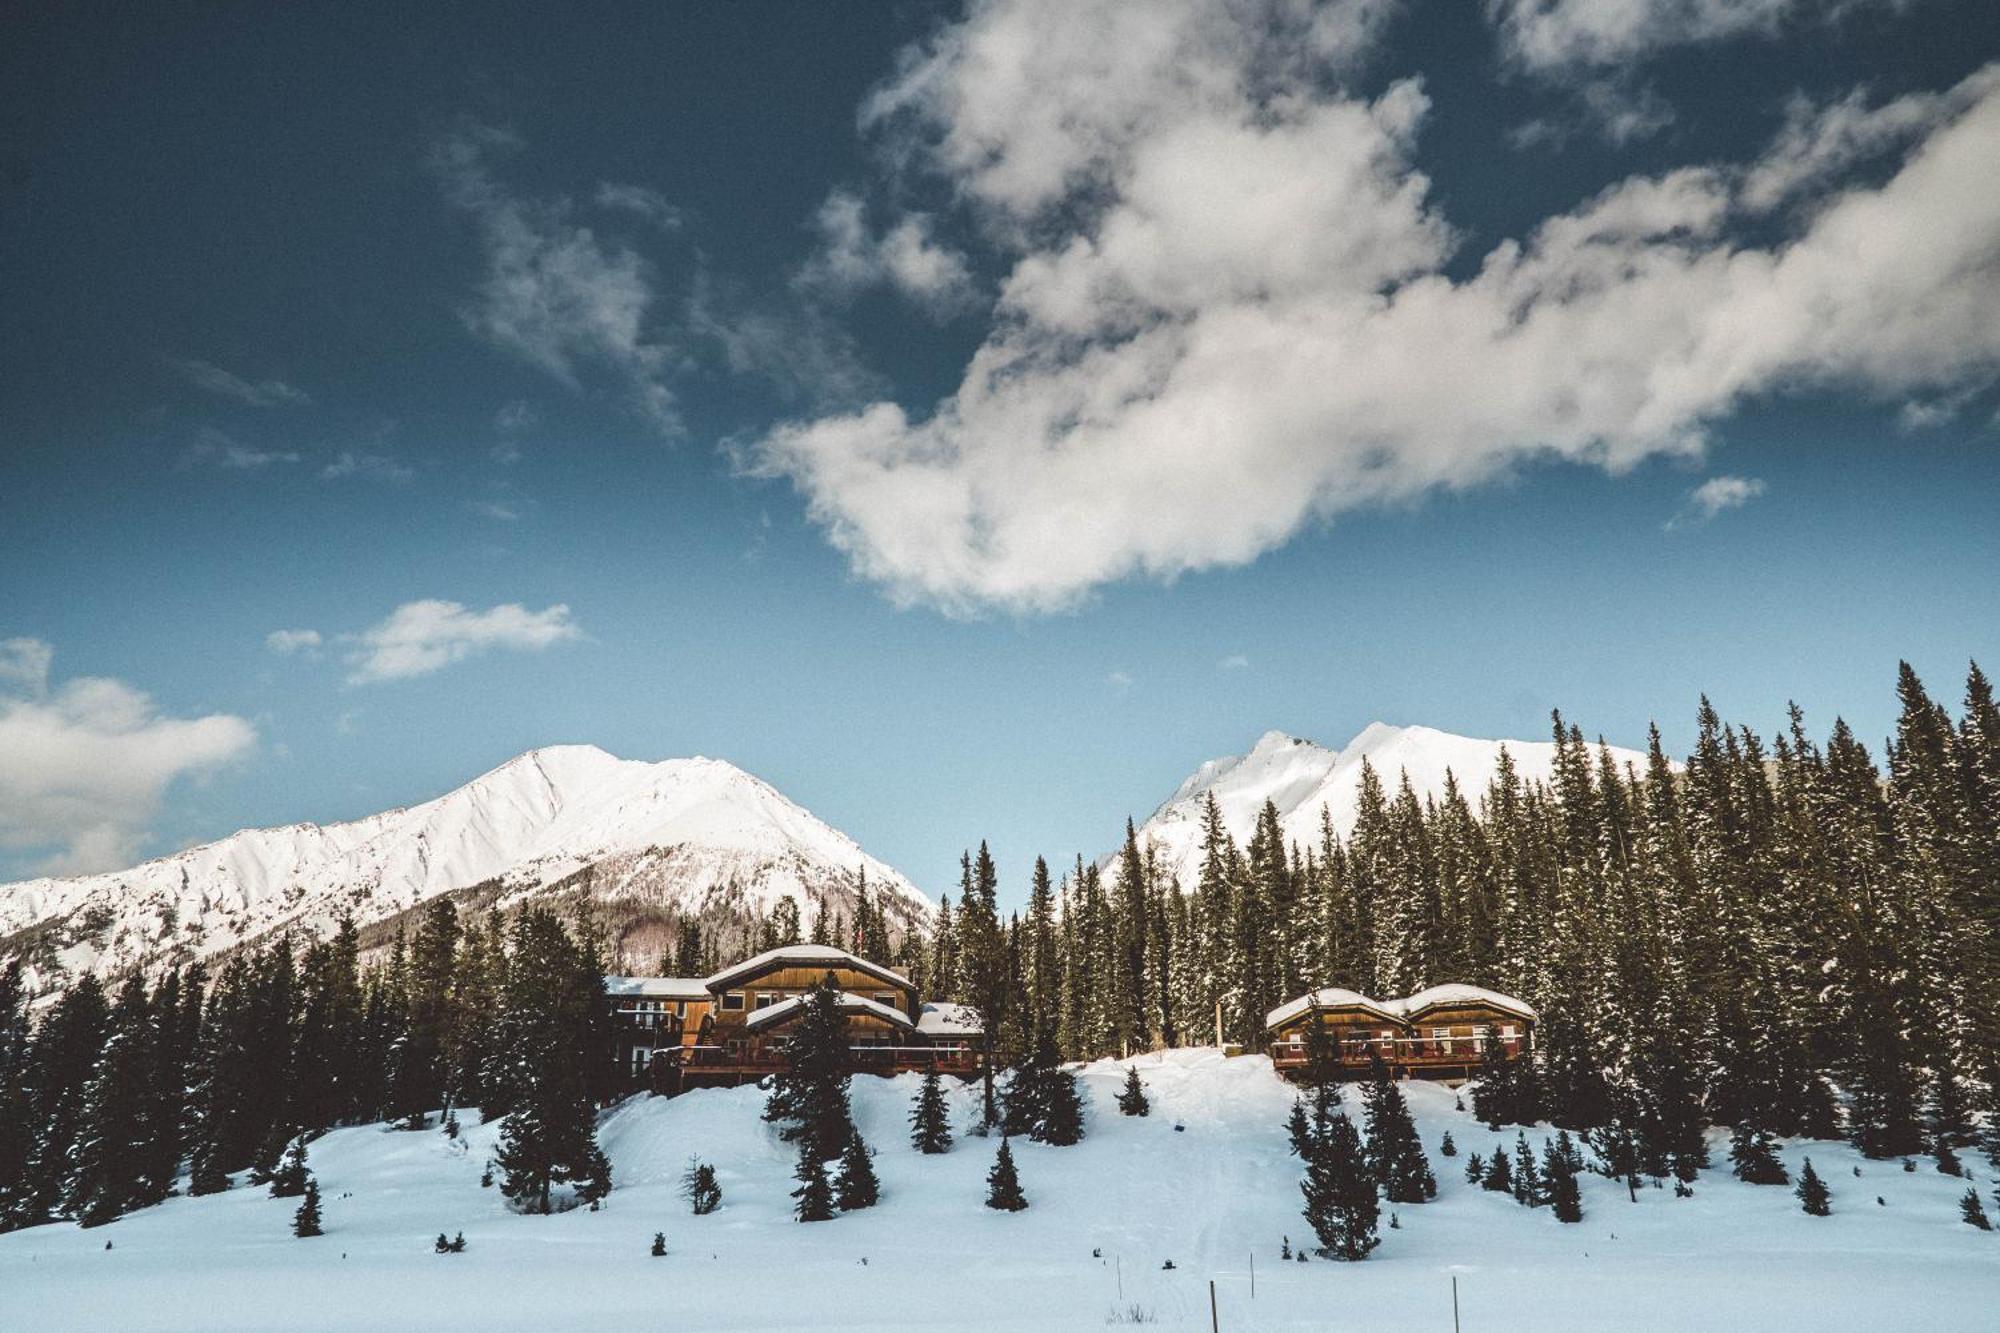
pixel 1436 1033
pixel 731 1028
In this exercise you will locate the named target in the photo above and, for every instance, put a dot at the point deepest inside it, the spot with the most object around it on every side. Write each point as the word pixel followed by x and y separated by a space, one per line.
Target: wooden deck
pixel 1407 1057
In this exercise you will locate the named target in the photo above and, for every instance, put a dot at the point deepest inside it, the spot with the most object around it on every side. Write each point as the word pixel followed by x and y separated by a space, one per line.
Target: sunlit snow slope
pixel 1104 1218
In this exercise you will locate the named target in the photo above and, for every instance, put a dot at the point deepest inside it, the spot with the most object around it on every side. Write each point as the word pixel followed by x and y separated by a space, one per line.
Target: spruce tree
pixel 855 1186
pixel 1496 1097
pixel 56 1081
pixel 1475 1169
pixel 1003 1184
pixel 1499 1175
pixel 659 1248
pixel 814 1194
pixel 1528 1190
pixel 1973 1212
pixel 305 1222
pixel 290 1179
pixel 700 1188
pixel 808 1099
pixel 1559 1181
pixel 1395 1153
pixel 1298 1132
pixel 1446 1146
pixel 108 1166
pixel 1812 1192
pixel 930 1125
pixel 1753 1155
pixel 1339 1190
pixel 1132 1101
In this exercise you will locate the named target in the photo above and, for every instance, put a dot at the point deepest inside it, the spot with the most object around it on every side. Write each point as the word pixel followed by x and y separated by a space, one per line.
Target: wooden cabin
pixel 735 1031
pixel 655 1018
pixel 1437 1033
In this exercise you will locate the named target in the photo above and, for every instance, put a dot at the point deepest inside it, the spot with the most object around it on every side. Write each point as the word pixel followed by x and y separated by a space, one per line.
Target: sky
pixel 969 419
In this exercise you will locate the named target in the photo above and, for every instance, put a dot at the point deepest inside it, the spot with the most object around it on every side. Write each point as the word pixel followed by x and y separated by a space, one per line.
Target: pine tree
pixel 1446 1147
pixel 1559 1183
pixel 108 1166
pixel 290 1179
pixel 1395 1153
pixel 1753 1154
pixel 808 1099
pixel 856 1186
pixel 1972 1211
pixel 700 1188
pixel 814 1194
pixel 1528 1191
pixel 1812 1192
pixel 1132 1101
pixel 1475 1169
pixel 930 1130
pixel 1496 1097
pixel 659 1249
pixel 1298 1132
pixel 1003 1185
pixel 1499 1173
pixel 1339 1191
pixel 56 1081
pixel 305 1222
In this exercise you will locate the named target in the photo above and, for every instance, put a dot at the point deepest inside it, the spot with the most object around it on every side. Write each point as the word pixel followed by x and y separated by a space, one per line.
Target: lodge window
pixel 732 999
pixel 1482 1030
pixel 1440 1034
pixel 1510 1032
pixel 765 999
pixel 886 997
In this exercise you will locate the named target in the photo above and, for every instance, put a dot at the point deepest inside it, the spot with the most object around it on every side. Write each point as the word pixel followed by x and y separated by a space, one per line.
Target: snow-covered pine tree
pixel 815 1192
pixel 1528 1189
pixel 56 1078
pixel 1559 1184
pixel 1446 1146
pixel 930 1124
pixel 1813 1195
pixel 855 1185
pixel 1499 1176
pixel 289 1180
pixel 1339 1189
pixel 1753 1155
pixel 108 1166
pixel 554 998
pixel 306 1221
pixel 1395 1153
pixel 808 1098
pixel 1972 1212
pixel 1003 1183
pixel 1132 1100
pixel 1298 1131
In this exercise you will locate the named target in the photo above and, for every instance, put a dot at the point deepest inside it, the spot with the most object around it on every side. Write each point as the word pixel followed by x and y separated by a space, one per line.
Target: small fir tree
pixel 1527 1180
pixel 1003 1183
pixel 1973 1211
pixel 815 1192
pixel 1499 1173
pixel 1753 1155
pixel 855 1186
pixel 1339 1190
pixel 1132 1101
pixel 659 1249
pixel 290 1179
pixel 1447 1148
pixel 305 1222
pixel 1395 1153
pixel 700 1188
pixel 1812 1192
pixel 1947 1160
pixel 1298 1130
pixel 1475 1169
pixel 930 1126
pixel 1559 1184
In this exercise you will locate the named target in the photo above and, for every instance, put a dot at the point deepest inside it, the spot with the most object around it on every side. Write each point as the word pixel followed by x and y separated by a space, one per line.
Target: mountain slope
pixel 1301 778
pixel 686 835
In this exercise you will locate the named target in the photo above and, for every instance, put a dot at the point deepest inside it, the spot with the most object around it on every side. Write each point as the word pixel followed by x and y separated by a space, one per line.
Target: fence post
pixel 1454 1303
pixel 1214 1323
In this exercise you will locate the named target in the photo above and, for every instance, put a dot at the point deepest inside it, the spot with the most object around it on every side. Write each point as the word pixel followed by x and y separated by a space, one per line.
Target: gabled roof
pixel 804 955
pixel 949 1020
pixel 657 988
pixel 772 1015
pixel 1451 994
pixel 1329 997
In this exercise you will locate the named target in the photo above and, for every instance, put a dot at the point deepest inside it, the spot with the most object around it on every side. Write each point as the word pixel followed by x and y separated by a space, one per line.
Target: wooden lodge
pixel 1437 1033
pixel 731 1028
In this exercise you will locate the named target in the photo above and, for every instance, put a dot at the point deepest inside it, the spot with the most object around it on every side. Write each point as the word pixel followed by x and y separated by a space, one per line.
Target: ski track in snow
pixel 1734 1256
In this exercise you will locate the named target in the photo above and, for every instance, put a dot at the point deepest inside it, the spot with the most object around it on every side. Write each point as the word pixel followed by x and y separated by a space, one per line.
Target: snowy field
pixel 930 1256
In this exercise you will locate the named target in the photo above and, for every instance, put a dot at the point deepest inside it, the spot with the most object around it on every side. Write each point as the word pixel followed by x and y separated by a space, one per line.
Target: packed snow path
pixel 1207 1197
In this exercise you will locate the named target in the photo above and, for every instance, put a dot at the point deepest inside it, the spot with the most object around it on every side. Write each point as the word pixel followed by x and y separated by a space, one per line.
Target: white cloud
pixel 495 510
pixel 907 257
pixel 212 448
pixel 1229 316
pixel 214 379
pixel 1234 662
pixel 418 638
pixel 638 199
pixel 84 767
pixel 1551 35
pixel 367 467
pixel 1119 680
pixel 293 642
pixel 555 293
pixel 1713 496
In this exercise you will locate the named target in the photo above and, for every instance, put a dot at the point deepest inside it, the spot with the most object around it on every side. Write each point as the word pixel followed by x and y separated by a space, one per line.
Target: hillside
pixel 686 836
pixel 1208 1198
pixel 1301 778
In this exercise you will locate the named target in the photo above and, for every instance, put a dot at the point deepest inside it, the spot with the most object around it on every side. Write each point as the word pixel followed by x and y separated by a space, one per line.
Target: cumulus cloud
pixel 1713 496
pixel 1553 35
pixel 84 766
pixel 418 638
pixel 214 379
pixel 293 642
pixel 907 257
pixel 1227 311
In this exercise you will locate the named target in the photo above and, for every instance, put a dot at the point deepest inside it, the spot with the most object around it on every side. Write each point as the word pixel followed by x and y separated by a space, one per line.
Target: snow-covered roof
pixel 804 955
pixel 849 1002
pixel 657 988
pixel 1454 993
pixel 949 1020
pixel 1328 997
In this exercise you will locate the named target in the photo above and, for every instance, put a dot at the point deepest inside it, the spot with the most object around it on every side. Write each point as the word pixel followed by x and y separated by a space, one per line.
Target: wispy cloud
pixel 642 202
pixel 1119 680
pixel 495 510
pixel 84 766
pixel 367 467
pixel 1233 662
pixel 1714 496
pixel 211 378
pixel 212 448
pixel 421 637
pixel 294 642
pixel 906 257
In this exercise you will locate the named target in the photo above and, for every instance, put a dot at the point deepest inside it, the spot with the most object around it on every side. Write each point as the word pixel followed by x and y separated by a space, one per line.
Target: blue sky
pixel 1419 362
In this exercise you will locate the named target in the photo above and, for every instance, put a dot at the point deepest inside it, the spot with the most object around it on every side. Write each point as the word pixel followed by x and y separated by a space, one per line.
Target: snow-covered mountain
pixel 687 835
pixel 1302 778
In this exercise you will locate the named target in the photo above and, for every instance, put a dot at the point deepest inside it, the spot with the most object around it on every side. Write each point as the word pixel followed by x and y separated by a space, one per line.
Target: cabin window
pixel 1482 1030
pixel 732 999
pixel 886 997
pixel 1440 1034
pixel 1510 1032
pixel 765 999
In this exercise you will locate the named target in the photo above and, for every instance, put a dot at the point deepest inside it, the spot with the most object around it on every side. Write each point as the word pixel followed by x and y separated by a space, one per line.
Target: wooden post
pixel 1214 1323
pixel 1454 1303
pixel 1119 1260
pixel 1218 1024
pixel 1253 1275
